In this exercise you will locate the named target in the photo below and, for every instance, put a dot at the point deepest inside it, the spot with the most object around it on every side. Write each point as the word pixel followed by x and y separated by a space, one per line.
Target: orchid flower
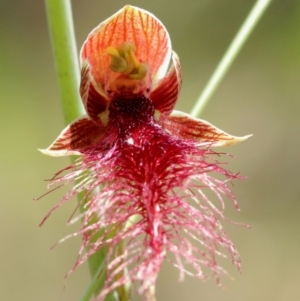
pixel 146 169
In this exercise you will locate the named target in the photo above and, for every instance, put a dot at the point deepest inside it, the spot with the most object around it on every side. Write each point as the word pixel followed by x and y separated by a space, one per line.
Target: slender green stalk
pixel 61 29
pixel 88 294
pixel 231 53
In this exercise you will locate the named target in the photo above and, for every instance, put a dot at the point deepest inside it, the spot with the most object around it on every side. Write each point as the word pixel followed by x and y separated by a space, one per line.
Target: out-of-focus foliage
pixel 260 95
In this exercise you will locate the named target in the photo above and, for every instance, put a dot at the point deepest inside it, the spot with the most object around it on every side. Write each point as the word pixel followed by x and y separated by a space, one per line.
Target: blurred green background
pixel 260 95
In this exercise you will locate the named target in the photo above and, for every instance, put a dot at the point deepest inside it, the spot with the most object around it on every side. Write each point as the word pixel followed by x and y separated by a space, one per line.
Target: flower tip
pixel 232 141
pixel 57 153
pixel 240 139
pixel 43 151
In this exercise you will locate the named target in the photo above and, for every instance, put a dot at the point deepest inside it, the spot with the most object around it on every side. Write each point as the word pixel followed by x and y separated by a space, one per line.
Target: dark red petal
pixel 185 126
pixel 94 101
pixel 77 136
pixel 164 97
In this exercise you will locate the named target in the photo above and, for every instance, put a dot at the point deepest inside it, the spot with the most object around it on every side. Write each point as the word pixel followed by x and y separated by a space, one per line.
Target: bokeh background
pixel 260 95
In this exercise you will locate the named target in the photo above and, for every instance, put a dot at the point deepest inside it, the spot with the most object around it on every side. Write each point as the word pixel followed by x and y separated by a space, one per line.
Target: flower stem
pixel 60 22
pixel 231 53
pixel 62 34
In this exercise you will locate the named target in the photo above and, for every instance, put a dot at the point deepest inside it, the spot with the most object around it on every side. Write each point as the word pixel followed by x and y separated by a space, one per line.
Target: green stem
pixel 88 294
pixel 61 29
pixel 60 22
pixel 231 53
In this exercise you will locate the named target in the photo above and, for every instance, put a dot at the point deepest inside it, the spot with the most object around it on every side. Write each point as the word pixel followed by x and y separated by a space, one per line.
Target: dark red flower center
pixel 129 113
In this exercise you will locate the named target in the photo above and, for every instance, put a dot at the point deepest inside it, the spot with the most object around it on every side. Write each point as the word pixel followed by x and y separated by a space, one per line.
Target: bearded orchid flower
pixel 146 169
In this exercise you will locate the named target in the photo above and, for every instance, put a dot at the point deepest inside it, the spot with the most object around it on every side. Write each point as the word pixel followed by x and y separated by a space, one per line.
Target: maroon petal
pixel 185 126
pixel 166 93
pixel 93 97
pixel 77 136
